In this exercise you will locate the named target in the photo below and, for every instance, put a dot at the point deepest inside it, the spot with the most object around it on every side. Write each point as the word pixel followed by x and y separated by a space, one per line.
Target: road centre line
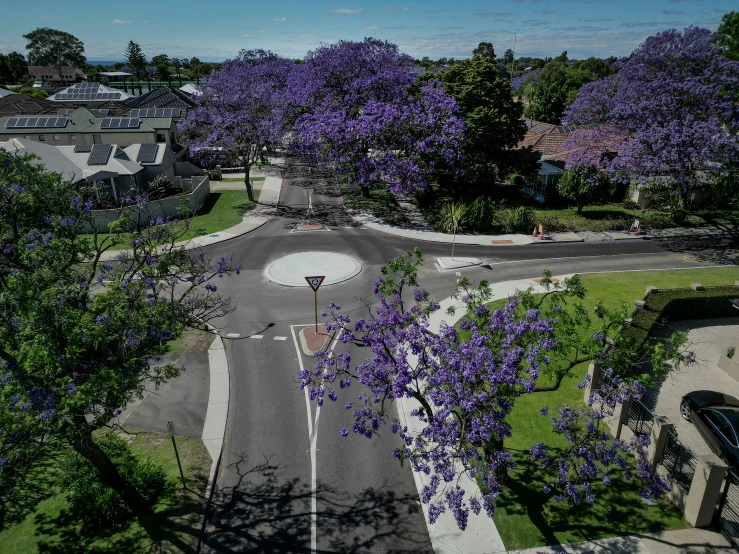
pixel 313 437
pixel 255 336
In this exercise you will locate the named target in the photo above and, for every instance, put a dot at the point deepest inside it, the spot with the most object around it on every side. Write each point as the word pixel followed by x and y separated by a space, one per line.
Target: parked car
pixel 716 416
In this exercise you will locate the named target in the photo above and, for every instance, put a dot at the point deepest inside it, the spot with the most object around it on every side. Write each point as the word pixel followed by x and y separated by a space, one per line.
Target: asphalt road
pixel 364 501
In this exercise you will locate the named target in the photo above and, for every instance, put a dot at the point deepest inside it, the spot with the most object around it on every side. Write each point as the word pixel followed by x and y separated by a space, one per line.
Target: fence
pixel 679 460
pixel 640 419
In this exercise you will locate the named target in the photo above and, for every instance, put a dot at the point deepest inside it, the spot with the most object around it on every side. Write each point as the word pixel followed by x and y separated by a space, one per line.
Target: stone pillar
pixel 594 373
pixel 219 173
pixel 705 489
pixel 619 418
pixel 661 427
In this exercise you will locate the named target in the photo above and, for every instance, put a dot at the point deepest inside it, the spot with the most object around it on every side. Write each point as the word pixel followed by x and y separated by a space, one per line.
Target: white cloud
pixel 370 27
pixel 245 36
pixel 397 8
pixel 121 21
pixel 348 10
pixel 279 19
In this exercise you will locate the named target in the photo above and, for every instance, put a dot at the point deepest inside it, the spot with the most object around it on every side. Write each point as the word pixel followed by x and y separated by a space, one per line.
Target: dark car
pixel 716 416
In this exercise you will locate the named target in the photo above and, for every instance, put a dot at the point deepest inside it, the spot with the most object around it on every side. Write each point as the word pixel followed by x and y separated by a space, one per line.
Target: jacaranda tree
pixel 465 381
pixel 354 111
pixel 667 118
pixel 239 114
pixel 77 334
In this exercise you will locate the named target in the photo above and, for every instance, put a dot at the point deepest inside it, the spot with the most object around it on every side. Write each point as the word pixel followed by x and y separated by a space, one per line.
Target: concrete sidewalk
pixel 680 541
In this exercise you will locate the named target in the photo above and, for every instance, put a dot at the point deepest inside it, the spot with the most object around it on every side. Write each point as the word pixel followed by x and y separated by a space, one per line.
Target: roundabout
pixel 291 270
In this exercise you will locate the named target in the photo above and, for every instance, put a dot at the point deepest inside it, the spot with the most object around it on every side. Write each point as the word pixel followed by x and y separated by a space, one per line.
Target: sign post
pixel 309 194
pixel 170 429
pixel 314 282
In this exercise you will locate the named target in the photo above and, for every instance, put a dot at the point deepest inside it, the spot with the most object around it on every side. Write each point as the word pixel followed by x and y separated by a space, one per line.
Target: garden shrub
pixel 521 219
pixel 516 179
pixel 553 224
pixel 630 205
pixel 98 505
pixel 480 214
pixel 679 215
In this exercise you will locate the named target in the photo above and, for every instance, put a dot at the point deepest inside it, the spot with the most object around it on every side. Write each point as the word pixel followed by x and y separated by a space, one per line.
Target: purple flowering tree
pixel 667 119
pixel 240 111
pixel 465 382
pixel 353 110
pixel 77 335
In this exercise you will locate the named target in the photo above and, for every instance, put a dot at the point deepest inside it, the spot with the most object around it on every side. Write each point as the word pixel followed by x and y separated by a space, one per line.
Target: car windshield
pixel 729 417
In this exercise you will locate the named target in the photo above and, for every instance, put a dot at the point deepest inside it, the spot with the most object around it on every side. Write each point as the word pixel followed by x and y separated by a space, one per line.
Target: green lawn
pixel 525 516
pixel 41 522
pixel 240 179
pixel 222 209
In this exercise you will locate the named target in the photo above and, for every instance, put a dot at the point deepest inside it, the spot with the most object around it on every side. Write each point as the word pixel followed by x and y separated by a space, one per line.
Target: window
pixel 56 138
pixel 42 138
pixel 160 138
pixel 72 137
pixel 97 139
pixel 27 137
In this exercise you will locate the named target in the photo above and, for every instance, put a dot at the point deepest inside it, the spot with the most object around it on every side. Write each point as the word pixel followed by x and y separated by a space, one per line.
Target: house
pixel 81 126
pixel 549 140
pixel 105 77
pixel 20 104
pixel 163 98
pixel 52 75
pixel 88 94
pixel 5 92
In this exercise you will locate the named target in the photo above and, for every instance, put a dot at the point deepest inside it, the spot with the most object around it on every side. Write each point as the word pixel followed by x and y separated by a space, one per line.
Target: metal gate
pixel 727 512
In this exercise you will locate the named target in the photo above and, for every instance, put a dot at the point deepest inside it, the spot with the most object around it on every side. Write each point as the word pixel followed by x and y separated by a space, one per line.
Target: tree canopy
pixel 555 88
pixel 13 68
pixel 135 58
pixel 667 118
pixel 728 35
pixel 55 48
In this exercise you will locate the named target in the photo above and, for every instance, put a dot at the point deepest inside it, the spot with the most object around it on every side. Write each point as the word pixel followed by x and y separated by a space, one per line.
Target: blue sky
pixel 217 29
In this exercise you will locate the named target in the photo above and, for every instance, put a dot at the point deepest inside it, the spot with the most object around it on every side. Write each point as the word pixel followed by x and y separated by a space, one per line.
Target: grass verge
pixel 41 521
pixel 525 516
pixel 381 203
pixel 222 209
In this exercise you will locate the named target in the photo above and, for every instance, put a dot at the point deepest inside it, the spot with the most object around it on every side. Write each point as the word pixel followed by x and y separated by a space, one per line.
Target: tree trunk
pixel 579 206
pixel 247 183
pixel 365 192
pixel 454 239
pixel 179 76
pixel 86 447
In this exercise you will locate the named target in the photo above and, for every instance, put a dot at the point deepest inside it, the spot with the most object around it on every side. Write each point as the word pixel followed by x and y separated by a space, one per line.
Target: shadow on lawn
pixel 268 512
pixel 617 510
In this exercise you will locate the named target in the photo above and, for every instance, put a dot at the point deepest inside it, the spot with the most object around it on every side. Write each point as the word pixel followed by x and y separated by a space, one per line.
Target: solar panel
pixel 147 153
pixel 82 94
pixel 66 111
pixel 35 122
pixel 83 148
pixel 541 128
pixel 99 154
pixel 120 123
pixel 156 112
pixel 100 113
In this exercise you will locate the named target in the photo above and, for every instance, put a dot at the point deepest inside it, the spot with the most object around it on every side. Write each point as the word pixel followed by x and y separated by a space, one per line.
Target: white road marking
pixel 280 338
pixel 234 335
pixel 256 336
pixel 313 437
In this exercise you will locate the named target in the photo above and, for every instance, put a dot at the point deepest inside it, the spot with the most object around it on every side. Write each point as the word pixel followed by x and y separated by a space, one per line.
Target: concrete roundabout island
pixel 291 270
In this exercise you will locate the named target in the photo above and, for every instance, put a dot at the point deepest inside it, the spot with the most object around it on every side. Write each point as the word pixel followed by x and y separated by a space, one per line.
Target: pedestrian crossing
pixel 256 337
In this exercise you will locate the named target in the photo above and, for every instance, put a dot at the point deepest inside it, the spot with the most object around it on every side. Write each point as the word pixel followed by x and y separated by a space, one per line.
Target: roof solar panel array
pixel 65 96
pixel 541 128
pixel 572 128
pixel 120 123
pixel 147 153
pixel 99 154
pixel 36 122
pixel 82 148
pixel 156 112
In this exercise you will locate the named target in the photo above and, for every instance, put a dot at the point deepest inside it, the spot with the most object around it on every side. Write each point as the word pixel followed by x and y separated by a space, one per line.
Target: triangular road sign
pixel 315 281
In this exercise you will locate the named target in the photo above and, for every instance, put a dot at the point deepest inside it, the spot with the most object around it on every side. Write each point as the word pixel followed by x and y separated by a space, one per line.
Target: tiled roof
pixel 83 120
pixel 20 104
pixel 50 157
pixel 162 97
pixel 546 139
pixel 119 162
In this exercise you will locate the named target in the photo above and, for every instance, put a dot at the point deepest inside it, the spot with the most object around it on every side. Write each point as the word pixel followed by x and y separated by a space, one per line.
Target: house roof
pixel 548 139
pixel 44 69
pixel 51 158
pixel 119 162
pixel 89 92
pixel 20 104
pixel 162 97
pixel 5 92
pixel 192 90
pixel 83 120
pixel 133 153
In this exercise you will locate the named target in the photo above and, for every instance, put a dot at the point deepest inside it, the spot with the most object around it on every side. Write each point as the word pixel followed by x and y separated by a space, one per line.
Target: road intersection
pixel 286 487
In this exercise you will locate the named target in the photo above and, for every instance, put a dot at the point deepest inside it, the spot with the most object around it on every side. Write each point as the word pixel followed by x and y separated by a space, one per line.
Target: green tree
pixel 135 58
pixel 163 73
pixel 33 92
pixel 78 336
pixel 556 89
pixel 13 68
pixel 4 70
pixel 55 48
pixel 484 50
pixel 728 35
pixel 177 64
pixel 452 218
pixel 508 57
pixel 582 184
pixel 494 124
pixel 597 67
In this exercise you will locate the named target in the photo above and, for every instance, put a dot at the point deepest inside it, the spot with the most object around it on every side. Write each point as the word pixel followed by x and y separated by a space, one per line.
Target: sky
pixel 214 30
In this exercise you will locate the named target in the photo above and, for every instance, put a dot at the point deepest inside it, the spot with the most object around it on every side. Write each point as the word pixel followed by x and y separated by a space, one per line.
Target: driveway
pixel 709 339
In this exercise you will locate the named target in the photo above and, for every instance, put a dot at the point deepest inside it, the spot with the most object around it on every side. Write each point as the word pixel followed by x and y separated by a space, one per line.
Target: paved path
pixel 681 541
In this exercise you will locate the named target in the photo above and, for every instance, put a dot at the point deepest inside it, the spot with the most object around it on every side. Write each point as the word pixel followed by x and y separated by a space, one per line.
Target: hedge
pixel 678 304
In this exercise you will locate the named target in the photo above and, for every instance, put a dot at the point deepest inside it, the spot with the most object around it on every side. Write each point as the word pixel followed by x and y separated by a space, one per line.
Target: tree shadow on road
pixel 268 512
pixel 715 250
